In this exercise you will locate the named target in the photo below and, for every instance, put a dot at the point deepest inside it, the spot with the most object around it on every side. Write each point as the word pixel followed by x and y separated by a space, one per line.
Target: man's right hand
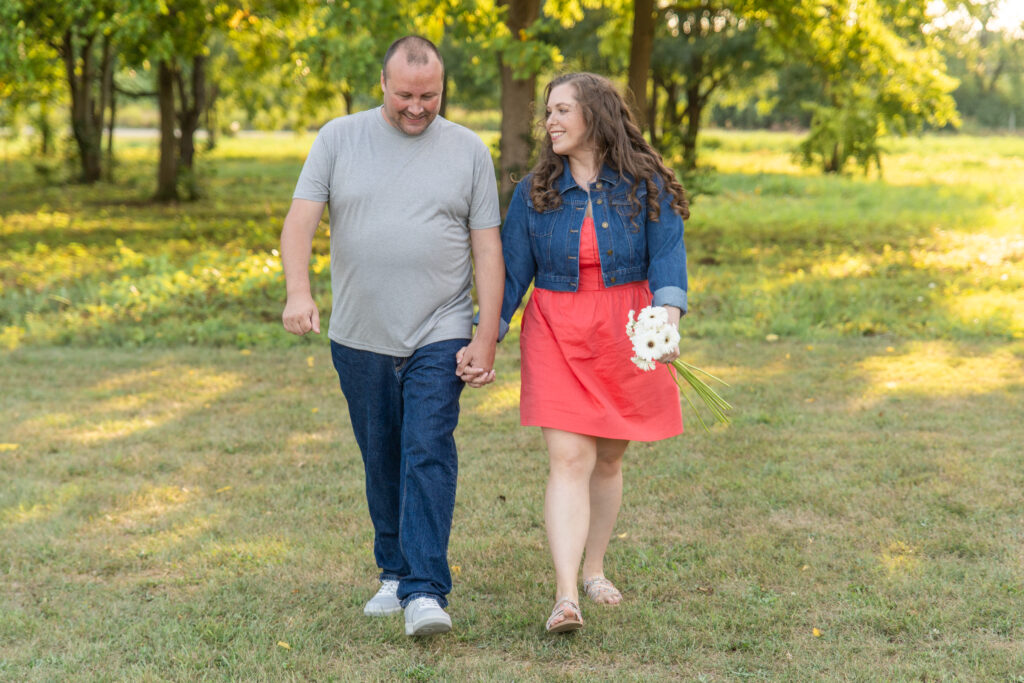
pixel 301 315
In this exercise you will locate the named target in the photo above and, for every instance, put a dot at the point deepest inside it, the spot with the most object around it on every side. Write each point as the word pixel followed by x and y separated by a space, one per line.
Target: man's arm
pixel 300 313
pixel 476 361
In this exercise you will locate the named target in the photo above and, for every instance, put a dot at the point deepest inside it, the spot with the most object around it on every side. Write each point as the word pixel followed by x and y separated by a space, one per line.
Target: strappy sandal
pixel 602 591
pixel 564 617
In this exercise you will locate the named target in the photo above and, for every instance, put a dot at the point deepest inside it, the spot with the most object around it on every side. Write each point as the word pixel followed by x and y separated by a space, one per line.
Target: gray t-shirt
pixel 401 208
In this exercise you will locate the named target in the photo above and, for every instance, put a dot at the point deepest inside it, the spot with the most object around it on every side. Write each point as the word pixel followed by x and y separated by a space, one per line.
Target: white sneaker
pixel 424 616
pixel 385 602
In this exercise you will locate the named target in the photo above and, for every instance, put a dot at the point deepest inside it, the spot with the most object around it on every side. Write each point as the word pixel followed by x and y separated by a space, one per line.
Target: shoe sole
pixel 427 628
pixel 567 626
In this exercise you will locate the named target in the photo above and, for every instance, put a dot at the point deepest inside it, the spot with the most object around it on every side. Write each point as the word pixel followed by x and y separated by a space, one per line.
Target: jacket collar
pixel 566 182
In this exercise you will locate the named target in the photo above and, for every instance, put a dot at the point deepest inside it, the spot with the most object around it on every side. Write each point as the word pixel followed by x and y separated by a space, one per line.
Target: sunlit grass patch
pixel 40 506
pixel 899 558
pixel 503 397
pixel 939 369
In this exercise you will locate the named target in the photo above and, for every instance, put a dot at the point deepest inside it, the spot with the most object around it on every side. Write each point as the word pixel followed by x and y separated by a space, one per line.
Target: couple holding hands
pixel 596 227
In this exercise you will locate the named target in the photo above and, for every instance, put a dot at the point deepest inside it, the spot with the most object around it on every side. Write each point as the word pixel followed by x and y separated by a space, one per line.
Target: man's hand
pixel 475 366
pixel 301 315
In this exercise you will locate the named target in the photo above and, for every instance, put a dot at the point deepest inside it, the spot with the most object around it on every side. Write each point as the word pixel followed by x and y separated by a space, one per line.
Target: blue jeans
pixel 404 412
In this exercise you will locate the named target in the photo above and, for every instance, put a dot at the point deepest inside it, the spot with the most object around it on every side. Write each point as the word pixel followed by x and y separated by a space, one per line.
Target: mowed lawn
pixel 181 497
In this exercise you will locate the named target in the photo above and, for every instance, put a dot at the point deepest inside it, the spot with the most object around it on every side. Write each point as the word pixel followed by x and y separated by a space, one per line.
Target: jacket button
pixel 604 224
pixel 609 252
pixel 600 201
pixel 599 186
pixel 611 279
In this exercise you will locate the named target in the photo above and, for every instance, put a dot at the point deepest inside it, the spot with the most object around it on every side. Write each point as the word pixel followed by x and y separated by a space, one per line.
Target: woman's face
pixel 565 124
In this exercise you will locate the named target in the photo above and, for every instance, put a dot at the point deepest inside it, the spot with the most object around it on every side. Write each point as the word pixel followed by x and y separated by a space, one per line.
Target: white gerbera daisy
pixel 653 316
pixel 647 343
pixel 631 324
pixel 643 364
pixel 667 341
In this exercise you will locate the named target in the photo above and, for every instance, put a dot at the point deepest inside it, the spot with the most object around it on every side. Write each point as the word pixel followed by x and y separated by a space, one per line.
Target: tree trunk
pixel 167 170
pixel 652 114
pixel 640 57
pixel 694 108
pixel 210 118
pixel 443 111
pixel 193 101
pixel 517 96
pixel 88 132
pixel 671 119
pixel 45 128
pixel 107 102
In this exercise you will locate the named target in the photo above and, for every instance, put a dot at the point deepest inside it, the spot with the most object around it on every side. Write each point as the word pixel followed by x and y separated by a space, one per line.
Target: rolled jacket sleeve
pixel 666 254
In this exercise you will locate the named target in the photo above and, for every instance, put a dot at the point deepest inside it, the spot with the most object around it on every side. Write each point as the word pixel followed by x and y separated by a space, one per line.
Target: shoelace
pixel 426 602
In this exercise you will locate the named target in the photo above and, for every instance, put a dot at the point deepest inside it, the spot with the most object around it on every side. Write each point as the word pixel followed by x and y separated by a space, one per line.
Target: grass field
pixel 181 497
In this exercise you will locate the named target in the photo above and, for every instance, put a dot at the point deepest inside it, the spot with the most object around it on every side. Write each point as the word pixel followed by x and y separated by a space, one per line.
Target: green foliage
pixel 851 131
pixel 882 76
pixel 988 61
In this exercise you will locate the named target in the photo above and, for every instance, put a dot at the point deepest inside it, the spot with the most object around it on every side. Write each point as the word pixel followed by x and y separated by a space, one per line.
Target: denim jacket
pixel 545 247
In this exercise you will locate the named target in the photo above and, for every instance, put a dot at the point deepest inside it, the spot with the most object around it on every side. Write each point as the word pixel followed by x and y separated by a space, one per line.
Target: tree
pixel 882 74
pixel 518 86
pixel 987 56
pixel 698 51
pixel 173 35
pixel 641 47
pixel 31 80
pixel 82 35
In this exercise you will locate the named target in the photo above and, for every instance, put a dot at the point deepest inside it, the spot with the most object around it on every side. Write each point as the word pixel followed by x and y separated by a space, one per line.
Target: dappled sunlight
pixel 151 501
pixel 998 311
pixel 242 555
pixel 970 250
pixel 134 401
pixel 296 441
pixel 899 558
pixel 499 398
pixel 169 539
pixel 47 505
pixel 936 369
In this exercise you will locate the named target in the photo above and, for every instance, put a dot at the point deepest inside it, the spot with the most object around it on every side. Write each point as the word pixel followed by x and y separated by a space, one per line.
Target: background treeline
pixel 847 72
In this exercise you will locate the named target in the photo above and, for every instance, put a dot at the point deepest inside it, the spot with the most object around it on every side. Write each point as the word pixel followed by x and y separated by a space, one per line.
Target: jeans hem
pixel 441 600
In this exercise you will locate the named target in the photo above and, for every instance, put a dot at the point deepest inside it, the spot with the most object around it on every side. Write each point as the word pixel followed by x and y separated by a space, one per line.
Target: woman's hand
pixel 673 319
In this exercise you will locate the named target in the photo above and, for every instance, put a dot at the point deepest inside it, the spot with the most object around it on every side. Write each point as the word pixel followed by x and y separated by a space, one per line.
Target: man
pixel 412 197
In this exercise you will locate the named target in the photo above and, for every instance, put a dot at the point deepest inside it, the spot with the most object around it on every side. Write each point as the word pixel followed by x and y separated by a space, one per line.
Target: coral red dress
pixel 576 372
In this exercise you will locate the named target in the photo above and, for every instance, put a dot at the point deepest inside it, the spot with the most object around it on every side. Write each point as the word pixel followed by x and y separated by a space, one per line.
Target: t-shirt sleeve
pixel 315 179
pixel 484 212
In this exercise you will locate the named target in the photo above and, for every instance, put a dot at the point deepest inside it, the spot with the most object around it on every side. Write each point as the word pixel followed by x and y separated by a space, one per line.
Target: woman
pixel 598 218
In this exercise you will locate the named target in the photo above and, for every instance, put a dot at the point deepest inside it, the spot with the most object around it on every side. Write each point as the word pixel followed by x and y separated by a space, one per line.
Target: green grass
pixel 176 514
pixel 181 497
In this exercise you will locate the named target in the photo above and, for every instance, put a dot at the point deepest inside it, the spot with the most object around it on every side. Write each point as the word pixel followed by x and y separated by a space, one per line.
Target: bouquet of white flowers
pixel 653 337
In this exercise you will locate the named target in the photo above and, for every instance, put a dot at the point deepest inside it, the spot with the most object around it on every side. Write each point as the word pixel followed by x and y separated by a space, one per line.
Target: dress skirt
pixel 576 370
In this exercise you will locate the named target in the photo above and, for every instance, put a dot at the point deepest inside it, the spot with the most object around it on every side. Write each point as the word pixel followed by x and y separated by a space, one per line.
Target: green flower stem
pixel 715 403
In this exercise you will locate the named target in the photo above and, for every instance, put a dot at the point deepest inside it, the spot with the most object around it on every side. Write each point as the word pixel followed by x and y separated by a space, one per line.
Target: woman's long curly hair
pixel 617 141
